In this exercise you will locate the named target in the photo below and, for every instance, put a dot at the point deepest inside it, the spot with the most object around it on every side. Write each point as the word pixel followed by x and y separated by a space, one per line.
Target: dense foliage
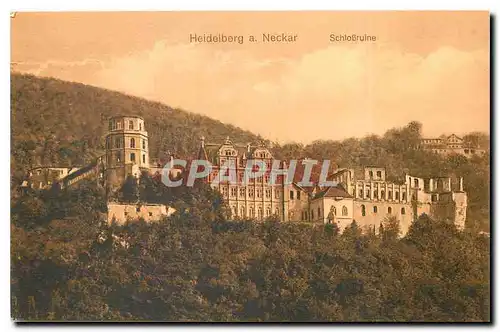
pixel 199 266
pixel 67 263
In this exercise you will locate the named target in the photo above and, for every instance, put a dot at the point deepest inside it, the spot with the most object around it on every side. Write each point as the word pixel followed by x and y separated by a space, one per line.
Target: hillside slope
pixel 58 122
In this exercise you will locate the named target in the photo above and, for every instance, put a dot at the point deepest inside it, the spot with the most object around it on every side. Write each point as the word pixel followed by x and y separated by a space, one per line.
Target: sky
pixel 431 67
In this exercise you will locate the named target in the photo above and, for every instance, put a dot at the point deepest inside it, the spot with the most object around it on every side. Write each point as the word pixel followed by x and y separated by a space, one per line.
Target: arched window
pixel 367 193
pixel 277 212
pixel 131 125
pixel 132 156
pixel 390 194
pixel 382 194
pixel 144 144
pixel 132 142
pixel 375 209
pixel 389 210
pixel 242 212
pixel 259 211
pixel 268 212
pixel 403 210
pixel 344 210
pixel 252 212
pixel 404 196
pixel 235 212
pixel 363 210
pixel 397 195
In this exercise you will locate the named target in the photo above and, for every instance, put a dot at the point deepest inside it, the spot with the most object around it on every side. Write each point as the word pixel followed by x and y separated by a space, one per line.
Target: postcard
pixel 313 166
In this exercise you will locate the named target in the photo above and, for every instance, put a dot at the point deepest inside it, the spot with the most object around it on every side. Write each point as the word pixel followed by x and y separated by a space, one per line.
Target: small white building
pixel 122 212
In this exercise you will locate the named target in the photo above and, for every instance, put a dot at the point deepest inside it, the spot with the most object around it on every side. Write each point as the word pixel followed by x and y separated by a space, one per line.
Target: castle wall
pixel 370 214
pixel 122 213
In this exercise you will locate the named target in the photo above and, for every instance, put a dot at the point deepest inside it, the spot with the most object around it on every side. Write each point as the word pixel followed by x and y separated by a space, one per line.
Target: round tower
pixel 126 148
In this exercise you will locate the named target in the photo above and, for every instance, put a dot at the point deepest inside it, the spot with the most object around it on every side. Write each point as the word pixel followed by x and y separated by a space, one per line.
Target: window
pixel 268 193
pixel 375 194
pixel 298 194
pixel 390 194
pixel 404 196
pixel 132 142
pixel 344 210
pixel 277 211
pixel 140 126
pixel 379 174
pixel 403 210
pixel 361 193
pixel 371 174
pixel 389 210
pixel 138 209
pixel 382 194
pixel 363 210
pixel 143 158
pixel 319 212
pixel 110 125
pixel 259 193
pixel 291 194
pixel 131 125
pixel 277 193
pixel 144 144
pixel 252 212
pixel 268 212
pixel 367 193
pixel 375 209
pixel 434 198
pixel 132 156
pixel 312 214
pixel 150 214
pixel 242 192
pixel 224 191
pixel 416 182
pixel 242 212
pixel 250 192
pixel 233 191
pixel 259 211
pixel 334 210
pixel 397 195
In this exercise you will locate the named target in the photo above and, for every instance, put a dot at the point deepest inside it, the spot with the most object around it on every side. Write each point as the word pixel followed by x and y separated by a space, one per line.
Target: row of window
pixel 261 213
pixel 132 158
pixel 118 143
pixel 252 192
pixel 113 125
pixel 382 194
pixel 375 210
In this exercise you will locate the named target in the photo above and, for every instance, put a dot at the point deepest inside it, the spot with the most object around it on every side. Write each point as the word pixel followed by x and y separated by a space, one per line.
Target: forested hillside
pixel 68 264
pixel 58 122
pixel 199 266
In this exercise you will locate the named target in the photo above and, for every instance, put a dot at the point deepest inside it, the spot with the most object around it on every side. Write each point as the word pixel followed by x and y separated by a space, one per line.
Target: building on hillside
pixel 43 177
pixel 361 194
pixel 374 198
pixel 120 213
pixel 452 144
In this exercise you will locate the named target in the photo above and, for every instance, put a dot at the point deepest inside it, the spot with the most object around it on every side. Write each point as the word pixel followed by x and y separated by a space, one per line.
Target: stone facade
pixel 121 213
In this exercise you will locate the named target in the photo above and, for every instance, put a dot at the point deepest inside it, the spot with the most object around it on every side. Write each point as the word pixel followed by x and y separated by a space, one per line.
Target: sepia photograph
pixel 258 166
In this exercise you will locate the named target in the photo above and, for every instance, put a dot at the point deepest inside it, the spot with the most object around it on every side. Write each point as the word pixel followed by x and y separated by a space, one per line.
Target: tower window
pixel 375 209
pixel 363 210
pixel 371 174
pixel 143 158
pixel 379 174
pixel 389 210
pixel 132 142
pixel 298 194
pixel 140 126
pixel 344 211
pixel 291 194
pixel 131 125
pixel 403 210
pixel 144 144
pixel 132 156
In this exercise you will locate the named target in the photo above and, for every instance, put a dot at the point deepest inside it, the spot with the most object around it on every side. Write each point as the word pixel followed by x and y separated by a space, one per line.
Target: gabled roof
pixel 333 191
